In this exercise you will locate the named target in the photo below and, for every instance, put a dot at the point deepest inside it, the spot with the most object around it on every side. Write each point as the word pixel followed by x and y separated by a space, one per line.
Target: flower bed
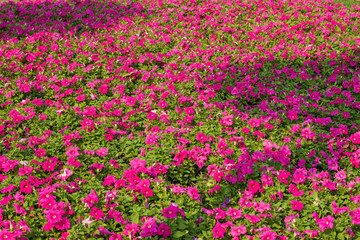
pixel 179 120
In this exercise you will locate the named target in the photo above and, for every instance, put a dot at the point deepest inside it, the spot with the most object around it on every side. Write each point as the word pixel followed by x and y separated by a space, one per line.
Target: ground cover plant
pixel 179 120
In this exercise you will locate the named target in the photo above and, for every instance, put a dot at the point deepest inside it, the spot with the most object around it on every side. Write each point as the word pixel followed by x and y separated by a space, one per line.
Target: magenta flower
pixel 341 175
pixel 151 139
pixel 326 222
pixel 102 152
pixel 193 193
pixel 97 213
pixel 355 215
pixel 170 212
pixel 19 210
pixel 254 122
pixel 81 98
pixel 227 121
pixel 218 230
pixel 296 205
pixel 5 234
pixel 252 218
pixel 201 137
pixel 40 152
pixel 234 213
pixel 65 175
pixel 346 114
pixel 162 104
pixel 295 128
pixel 261 206
pixel 164 230
pixel 253 186
pixel 306 133
pixel 149 228
pixel 25 187
pixel 237 230
pixel 131 229
pixel 72 152
pixel 355 138
pixel 91 199
pixel 63 224
pixel 53 216
pixel 267 235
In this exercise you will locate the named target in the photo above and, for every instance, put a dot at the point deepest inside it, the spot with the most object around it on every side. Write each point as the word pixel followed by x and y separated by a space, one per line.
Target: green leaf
pixel 178 234
pixel 135 217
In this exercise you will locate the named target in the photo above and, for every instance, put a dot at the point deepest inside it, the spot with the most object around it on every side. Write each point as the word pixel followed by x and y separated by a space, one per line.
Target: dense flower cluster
pixel 174 119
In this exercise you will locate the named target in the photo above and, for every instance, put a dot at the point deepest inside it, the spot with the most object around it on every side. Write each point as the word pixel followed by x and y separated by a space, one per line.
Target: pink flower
pixel 81 98
pixel 97 213
pixel 54 47
pixel 193 193
pixel 252 218
pixel 261 206
pixel 267 235
pixel 162 104
pixel 91 199
pixel 131 229
pixel 19 210
pixel 292 115
pixel 109 180
pixel 164 230
pixel 355 215
pixel 218 230
pixel 244 202
pixel 245 130
pixel 103 89
pixel 40 152
pixel 201 137
pixel 25 187
pixel 208 211
pixel 267 180
pixel 102 152
pixel 227 121
pixel 337 210
pixel 53 216
pixel 25 171
pixel 306 133
pixel 237 230
pixel 234 213
pixel 253 186
pixel 326 222
pixel 355 138
pixel 147 192
pixel 296 205
pixel 295 128
pixel 341 175
pixel 63 224
pixel 65 175
pixel 151 139
pixel 72 152
pixel 170 212
pixel 283 176
pixel 5 234
pixel 130 101
pixel 346 114
pixel 149 228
